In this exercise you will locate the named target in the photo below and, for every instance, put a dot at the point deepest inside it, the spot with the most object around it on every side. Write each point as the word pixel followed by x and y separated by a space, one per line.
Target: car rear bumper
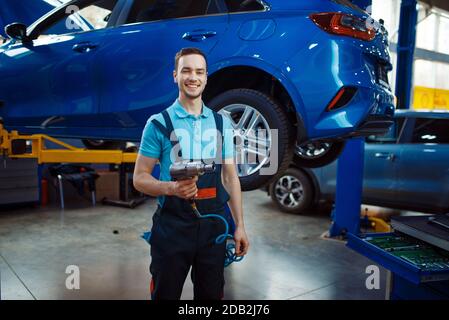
pixel 373 125
pixel 369 112
pixel 335 63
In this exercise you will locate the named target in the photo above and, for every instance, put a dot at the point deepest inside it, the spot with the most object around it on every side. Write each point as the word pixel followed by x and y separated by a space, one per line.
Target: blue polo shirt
pixel 197 136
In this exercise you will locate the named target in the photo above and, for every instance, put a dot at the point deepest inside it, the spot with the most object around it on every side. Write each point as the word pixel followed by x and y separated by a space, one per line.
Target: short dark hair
pixel 186 52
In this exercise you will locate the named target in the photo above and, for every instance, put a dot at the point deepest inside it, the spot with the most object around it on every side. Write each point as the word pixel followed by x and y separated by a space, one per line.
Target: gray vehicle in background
pixel 407 168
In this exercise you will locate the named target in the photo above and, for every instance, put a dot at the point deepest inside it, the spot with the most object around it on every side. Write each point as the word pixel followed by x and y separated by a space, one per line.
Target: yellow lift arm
pixel 12 146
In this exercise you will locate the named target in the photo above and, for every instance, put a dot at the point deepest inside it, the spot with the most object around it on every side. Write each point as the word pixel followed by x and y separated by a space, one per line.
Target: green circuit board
pixel 420 254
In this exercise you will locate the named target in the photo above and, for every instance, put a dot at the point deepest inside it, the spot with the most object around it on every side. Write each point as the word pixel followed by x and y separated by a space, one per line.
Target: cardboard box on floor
pixel 108 185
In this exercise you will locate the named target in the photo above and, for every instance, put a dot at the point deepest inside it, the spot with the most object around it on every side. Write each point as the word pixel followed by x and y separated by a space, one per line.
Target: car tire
pixel 292 192
pixel 104 144
pixel 233 104
pixel 305 158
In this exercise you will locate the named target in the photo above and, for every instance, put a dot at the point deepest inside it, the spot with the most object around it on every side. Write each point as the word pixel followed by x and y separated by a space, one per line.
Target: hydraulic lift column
pixel 348 195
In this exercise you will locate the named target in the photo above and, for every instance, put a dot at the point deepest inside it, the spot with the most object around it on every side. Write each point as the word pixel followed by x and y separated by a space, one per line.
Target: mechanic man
pixel 179 239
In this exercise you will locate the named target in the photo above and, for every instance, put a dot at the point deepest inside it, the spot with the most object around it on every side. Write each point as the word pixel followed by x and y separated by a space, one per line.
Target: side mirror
pixel 17 31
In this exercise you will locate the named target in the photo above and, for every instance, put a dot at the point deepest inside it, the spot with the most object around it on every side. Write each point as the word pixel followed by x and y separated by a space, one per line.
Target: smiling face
pixel 191 76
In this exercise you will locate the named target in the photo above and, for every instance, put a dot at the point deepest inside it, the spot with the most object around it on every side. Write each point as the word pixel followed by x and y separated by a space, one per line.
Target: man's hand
pixel 241 241
pixel 185 189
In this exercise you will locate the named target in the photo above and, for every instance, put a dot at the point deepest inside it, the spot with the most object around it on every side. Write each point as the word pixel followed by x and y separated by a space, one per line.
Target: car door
pixel 137 72
pixel 423 167
pixel 380 171
pixel 51 80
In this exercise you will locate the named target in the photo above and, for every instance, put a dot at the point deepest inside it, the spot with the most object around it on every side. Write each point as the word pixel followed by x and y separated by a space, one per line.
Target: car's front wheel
pixel 253 116
pixel 317 154
pixel 292 192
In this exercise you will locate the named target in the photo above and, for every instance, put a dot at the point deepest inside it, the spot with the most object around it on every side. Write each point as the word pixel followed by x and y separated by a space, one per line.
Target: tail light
pixel 345 25
pixel 342 98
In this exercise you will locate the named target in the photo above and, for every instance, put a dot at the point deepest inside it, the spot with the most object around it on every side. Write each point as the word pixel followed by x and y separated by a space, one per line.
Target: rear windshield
pixel 349 4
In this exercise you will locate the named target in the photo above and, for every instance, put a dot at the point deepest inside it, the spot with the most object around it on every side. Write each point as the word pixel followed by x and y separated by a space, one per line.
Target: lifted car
pixel 316 71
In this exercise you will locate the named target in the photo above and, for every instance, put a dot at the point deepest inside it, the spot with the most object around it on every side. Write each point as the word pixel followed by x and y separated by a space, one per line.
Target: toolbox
pixel 415 253
pixel 413 259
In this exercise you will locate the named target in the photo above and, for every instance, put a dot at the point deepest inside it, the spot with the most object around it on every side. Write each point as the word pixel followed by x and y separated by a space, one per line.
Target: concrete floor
pixel 287 260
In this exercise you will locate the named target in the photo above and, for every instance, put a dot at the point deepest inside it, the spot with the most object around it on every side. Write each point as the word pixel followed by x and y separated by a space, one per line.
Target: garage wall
pixel 430 78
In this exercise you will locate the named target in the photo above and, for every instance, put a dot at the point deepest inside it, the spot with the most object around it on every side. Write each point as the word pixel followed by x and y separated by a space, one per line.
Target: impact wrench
pixel 189 170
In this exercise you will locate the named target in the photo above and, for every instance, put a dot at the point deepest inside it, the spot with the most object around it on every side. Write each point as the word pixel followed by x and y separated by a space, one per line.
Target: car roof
pixel 443 114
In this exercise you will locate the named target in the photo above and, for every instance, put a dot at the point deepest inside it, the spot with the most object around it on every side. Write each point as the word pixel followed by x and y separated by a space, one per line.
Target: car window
pixel 150 10
pixel 431 131
pixel 391 136
pixel 77 19
pixel 216 6
pixel 244 5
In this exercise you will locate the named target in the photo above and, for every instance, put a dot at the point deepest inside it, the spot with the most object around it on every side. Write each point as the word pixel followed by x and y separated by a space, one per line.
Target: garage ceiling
pixel 442 4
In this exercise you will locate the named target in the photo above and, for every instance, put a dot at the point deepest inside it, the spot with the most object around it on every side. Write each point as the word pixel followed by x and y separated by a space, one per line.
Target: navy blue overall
pixel 180 240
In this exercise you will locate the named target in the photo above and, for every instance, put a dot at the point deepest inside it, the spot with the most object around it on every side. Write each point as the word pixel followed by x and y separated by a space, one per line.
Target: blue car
pixel 407 168
pixel 97 70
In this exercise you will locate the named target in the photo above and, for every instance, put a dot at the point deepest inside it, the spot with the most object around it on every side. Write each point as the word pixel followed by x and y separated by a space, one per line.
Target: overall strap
pixel 219 126
pixel 168 130
pixel 161 128
pixel 168 121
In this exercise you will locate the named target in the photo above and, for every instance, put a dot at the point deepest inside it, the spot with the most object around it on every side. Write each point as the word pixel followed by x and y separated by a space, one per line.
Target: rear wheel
pixel 317 154
pixel 292 192
pixel 251 114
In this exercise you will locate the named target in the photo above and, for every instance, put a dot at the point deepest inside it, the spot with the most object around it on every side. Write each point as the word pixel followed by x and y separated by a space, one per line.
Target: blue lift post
pixel 346 214
pixel 349 186
pixel 405 52
pixel 348 193
pixel 402 283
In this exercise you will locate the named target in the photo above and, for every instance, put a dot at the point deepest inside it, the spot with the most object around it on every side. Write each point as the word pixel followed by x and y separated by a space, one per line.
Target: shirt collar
pixel 182 113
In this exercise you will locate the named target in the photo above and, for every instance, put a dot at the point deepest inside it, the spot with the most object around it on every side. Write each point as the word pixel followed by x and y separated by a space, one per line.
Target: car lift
pixel 417 264
pixel 15 145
